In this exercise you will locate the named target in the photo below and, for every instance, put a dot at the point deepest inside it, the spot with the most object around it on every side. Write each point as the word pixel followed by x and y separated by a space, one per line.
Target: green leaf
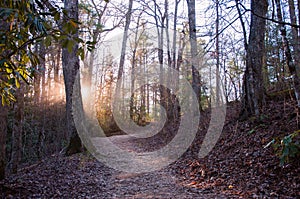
pixel 62 37
pixel 57 16
pixel 81 53
pixel 251 131
pixel 70 45
pixel 286 140
pixel 11 81
pixel 48 41
pixel 285 151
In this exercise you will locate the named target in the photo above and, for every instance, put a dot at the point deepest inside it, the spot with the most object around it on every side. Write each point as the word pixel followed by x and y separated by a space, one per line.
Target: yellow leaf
pixel 11 26
pixel 230 186
pixel 9 70
pixel 3 100
pixel 17 83
pixel 73 24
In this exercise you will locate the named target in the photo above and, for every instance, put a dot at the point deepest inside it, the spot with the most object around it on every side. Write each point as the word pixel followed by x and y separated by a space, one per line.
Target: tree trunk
pixel 253 96
pixel 174 101
pixel 17 131
pixel 160 25
pixel 56 66
pixel 3 133
pixel 133 63
pixel 295 67
pixel 70 63
pixel 4 26
pixel 218 101
pixel 194 51
pixel 181 47
pixel 170 99
pixel 174 34
pixel 41 97
pixel 124 42
pixel 37 77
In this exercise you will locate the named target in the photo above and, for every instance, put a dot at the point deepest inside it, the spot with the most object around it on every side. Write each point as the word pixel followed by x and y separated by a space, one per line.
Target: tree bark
pixel 3 133
pixel 133 63
pixel 37 77
pixel 160 25
pixel 4 26
pixel 194 51
pixel 295 66
pixel 218 101
pixel 124 42
pixel 174 102
pixel 174 34
pixel 17 131
pixel 70 63
pixel 254 92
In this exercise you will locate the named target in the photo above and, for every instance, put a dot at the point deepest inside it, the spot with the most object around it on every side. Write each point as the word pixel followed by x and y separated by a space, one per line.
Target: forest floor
pixel 238 167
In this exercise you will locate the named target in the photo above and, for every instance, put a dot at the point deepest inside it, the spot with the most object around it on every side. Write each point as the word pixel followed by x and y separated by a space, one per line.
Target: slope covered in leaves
pixel 242 163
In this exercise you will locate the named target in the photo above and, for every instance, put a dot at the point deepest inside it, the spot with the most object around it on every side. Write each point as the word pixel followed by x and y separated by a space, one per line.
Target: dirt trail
pixel 81 176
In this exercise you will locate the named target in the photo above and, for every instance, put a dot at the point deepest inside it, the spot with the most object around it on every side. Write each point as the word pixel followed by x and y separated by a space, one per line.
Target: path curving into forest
pixel 81 176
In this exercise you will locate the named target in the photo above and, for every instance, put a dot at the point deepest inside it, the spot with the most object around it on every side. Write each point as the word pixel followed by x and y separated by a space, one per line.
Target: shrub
pixel 286 148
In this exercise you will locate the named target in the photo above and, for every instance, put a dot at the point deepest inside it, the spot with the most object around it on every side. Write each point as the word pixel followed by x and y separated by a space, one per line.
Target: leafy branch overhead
pixel 26 24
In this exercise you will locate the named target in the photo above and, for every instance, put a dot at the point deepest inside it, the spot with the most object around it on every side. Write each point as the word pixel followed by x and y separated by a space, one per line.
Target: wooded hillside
pixel 203 96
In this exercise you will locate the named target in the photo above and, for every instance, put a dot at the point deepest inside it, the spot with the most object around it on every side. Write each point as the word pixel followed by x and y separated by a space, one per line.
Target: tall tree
pixel 253 80
pixel 194 51
pixel 174 102
pixel 175 34
pixel 4 26
pixel 294 66
pixel 124 42
pixel 160 16
pixel 17 130
pixel 3 133
pixel 70 63
pixel 135 45
pixel 217 53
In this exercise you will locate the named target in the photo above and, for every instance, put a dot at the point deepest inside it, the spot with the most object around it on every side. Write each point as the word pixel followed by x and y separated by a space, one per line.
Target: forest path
pixel 81 176
pixel 157 184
